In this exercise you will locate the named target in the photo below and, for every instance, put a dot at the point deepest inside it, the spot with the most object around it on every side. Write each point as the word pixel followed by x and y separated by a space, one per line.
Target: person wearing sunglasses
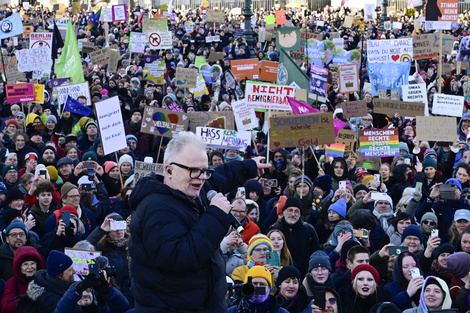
pixel 176 226
pixel 332 303
pixel 427 224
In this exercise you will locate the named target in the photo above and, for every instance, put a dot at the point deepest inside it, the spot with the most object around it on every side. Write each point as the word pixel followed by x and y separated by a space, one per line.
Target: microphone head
pixel 211 194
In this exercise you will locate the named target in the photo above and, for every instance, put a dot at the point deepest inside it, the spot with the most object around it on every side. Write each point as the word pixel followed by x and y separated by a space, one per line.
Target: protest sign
pixel 441 13
pixel 368 163
pixel 37 40
pixel 348 78
pixel 100 57
pixel 210 39
pixel 301 130
pixel 397 25
pixel 318 81
pixel 381 80
pixel 343 57
pixel 390 107
pixel 23 92
pixel 301 95
pixel 347 137
pixel 119 13
pixel 299 57
pixel 369 12
pixel 280 16
pixel 447 105
pixel 159 40
pixel 142 169
pixel 88 47
pixel 320 52
pixel 215 56
pixel 335 150
pixel 158 23
pixel 379 143
pixel 288 38
pixel 154 70
pixel 436 128
pixel 39 93
pixel 14 75
pixel 210 72
pixel 137 42
pixel 245 117
pixel 427 45
pixel 348 21
pixel 354 108
pixel 73 91
pixel 416 93
pixel 199 61
pixel 114 57
pixel 186 77
pixel 201 88
pixel 216 119
pixel 224 138
pixel 81 259
pixel 268 96
pixel 215 16
pixel 34 59
pixel 390 51
pixel 161 122
pixel 107 15
pixel 245 69
pixel 113 136
pixel 269 71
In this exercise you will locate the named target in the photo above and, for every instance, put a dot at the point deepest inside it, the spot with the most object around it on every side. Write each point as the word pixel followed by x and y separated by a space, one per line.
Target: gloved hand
pixel 88 282
pixel 102 286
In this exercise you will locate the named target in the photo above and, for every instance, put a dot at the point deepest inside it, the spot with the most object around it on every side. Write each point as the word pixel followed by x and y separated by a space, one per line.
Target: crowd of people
pixel 318 236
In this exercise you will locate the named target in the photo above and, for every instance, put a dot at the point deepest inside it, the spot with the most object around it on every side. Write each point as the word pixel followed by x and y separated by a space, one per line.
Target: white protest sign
pixel 111 125
pixel 447 105
pixel 119 13
pixel 397 25
pixel 107 15
pixel 73 91
pixel 159 40
pixel 339 43
pixel 369 12
pixel 80 43
pixel 245 117
pixel 34 59
pixel 390 51
pixel 81 259
pixel 261 95
pixel 349 78
pixel 60 22
pixel 212 38
pixel 142 169
pixel 37 40
pixel 416 93
pixel 224 138
pixel 137 42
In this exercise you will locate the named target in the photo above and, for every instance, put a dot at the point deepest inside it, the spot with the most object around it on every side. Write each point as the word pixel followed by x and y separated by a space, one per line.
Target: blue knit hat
pixel 57 262
pixel 339 207
pixel 454 181
pixel 429 162
pixel 17 224
pixel 338 230
pixel 403 146
pixel 319 259
pixel 323 182
pixel 412 230
pixel 307 180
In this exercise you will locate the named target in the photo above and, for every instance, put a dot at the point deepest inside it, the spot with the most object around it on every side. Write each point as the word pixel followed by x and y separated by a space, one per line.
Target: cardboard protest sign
pixel 447 105
pixel 159 40
pixel 88 47
pixel 301 130
pixel 137 42
pixel 23 92
pixel 390 51
pixel 301 95
pixel 142 169
pixel 347 137
pixel 245 117
pixel 348 78
pixel 299 57
pixel 186 77
pixel 217 119
pixel 215 16
pixel 119 13
pixel 268 96
pixel 368 163
pixel 416 93
pixel 318 81
pixel 111 125
pixel 81 259
pixel 114 57
pixel 100 57
pixel 335 150
pixel 390 107
pixel 379 143
pixel 245 69
pixel 14 75
pixel 215 56
pixel 288 38
pixel 427 45
pixel 348 21
pixel 269 71
pixel 436 128
pixel 161 122
pixel 354 109
pixel 381 80
pixel 73 91
pixel 224 138
pixel 201 88
pixel 34 59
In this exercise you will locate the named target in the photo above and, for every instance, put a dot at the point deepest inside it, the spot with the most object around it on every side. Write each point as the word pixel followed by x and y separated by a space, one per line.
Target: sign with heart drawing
pixel 390 51
pixel 163 122
pixel 210 73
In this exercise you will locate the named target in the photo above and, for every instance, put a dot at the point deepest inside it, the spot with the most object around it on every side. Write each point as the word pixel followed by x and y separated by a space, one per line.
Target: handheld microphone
pixel 235 223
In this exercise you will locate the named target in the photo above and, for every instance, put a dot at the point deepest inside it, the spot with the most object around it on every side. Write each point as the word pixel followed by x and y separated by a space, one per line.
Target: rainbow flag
pixel 379 143
pixel 335 150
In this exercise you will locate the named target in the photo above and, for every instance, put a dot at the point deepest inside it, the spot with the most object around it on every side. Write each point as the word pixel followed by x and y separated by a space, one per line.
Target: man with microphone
pixel 176 264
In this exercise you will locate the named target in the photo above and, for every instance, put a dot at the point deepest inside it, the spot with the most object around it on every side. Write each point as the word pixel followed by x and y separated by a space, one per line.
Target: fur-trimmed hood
pixel 43 283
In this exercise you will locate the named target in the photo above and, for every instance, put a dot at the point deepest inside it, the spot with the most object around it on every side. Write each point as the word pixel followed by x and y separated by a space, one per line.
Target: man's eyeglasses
pixel 432 223
pixel 265 250
pixel 14 235
pixel 195 172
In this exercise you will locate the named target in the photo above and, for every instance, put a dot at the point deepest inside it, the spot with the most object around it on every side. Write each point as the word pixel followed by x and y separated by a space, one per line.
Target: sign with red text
pixel 245 117
pixel 224 138
pixel 260 95
pixel 379 143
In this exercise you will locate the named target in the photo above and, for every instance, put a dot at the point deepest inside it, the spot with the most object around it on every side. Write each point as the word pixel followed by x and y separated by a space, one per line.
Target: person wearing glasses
pixel 332 303
pixel 239 210
pixel 176 230
pixel 16 237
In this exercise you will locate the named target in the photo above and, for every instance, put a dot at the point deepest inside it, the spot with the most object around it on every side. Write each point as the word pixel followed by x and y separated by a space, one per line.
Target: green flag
pixel 70 63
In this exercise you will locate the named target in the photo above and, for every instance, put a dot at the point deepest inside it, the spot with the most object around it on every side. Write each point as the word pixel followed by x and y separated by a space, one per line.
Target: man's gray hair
pixel 178 143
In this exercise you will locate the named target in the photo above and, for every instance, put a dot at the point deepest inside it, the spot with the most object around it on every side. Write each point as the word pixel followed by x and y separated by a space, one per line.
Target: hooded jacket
pixel 400 182
pixel 18 284
pixel 446 303
pixel 175 241
pixel 462 135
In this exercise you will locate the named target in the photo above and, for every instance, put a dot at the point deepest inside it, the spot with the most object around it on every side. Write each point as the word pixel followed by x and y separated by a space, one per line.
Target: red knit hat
pixel 109 165
pixel 365 267
pixel 280 204
pixel 69 208
pixel 12 121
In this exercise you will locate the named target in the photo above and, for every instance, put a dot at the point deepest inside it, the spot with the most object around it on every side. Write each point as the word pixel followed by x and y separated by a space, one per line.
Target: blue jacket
pixel 176 263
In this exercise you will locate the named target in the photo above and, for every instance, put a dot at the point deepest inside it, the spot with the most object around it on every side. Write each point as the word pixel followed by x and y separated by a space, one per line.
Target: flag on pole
pixel 93 21
pixel 76 106
pixel 57 41
pixel 69 63
pixel 11 26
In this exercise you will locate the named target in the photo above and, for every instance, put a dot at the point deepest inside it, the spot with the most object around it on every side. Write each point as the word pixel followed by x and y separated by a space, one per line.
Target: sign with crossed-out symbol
pixel 155 39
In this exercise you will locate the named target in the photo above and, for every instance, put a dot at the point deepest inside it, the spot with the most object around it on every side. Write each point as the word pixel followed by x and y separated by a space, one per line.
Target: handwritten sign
pixel 416 93
pixel 347 137
pixel 142 169
pixel 354 108
pixel 224 138
pixel 390 107
pixel 119 13
pixel 217 119
pixel 100 57
pixel 447 105
pixel 268 96
pixel 81 259
pixel 23 92
pixel 186 77
pixel 301 130
pixel 348 78
pixel 161 122
pixel 73 91
pixel 243 69
pixel 436 128
pixel 245 117
pixel 390 51
pixel 215 16
pixel 107 15
pixel 34 59
pixel 111 125
pixel 426 46
pixel 379 143
pixel 137 42
pixel 114 56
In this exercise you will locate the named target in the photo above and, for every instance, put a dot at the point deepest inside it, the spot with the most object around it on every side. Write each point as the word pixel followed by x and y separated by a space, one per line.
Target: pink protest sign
pixel 20 92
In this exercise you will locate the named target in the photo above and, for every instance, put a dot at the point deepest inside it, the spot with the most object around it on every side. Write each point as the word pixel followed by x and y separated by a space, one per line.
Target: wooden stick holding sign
pixel 439 69
pixel 119 168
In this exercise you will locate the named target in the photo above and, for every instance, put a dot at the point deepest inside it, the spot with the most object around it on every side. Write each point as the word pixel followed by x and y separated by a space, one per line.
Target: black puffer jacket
pixel 47 291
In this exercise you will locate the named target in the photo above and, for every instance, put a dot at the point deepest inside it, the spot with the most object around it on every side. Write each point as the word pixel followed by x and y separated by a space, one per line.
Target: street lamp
pixel 384 13
pixel 248 33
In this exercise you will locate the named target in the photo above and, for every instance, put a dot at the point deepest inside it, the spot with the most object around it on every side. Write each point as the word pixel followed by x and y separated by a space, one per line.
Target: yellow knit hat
pixel 367 179
pixel 257 240
pixel 52 172
pixel 260 271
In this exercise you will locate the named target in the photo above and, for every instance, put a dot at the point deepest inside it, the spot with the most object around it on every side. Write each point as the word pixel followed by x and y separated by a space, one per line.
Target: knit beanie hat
pixel 338 230
pixel 53 173
pixel 365 267
pixel 403 146
pixel 412 230
pixel 92 122
pixel 387 198
pixel 57 262
pixel 66 188
pixel 12 121
pixel 281 204
pixel 429 152
pixel 458 264
pixel 257 240
pixel 14 194
pixel 339 207
pixel 319 259
pixel 454 181
pixel 126 158
pixel 287 272
pixel 346 246
pixel 367 179
pixel 10 215
pixel 6 168
pixel 3 188
pixel 307 180
pixel 429 162
pixel 359 188
pixel 323 182
pixel 17 224
pixel 147 90
pixel 429 216
pixel 51 118
pixel 260 271
pixel 130 136
pixel 68 208
pixel 90 156
pixel 109 165
pixel 292 202
pixel 446 248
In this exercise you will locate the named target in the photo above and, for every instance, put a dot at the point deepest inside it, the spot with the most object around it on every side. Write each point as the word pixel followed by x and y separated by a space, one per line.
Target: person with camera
pixel 332 303
pixel 255 293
